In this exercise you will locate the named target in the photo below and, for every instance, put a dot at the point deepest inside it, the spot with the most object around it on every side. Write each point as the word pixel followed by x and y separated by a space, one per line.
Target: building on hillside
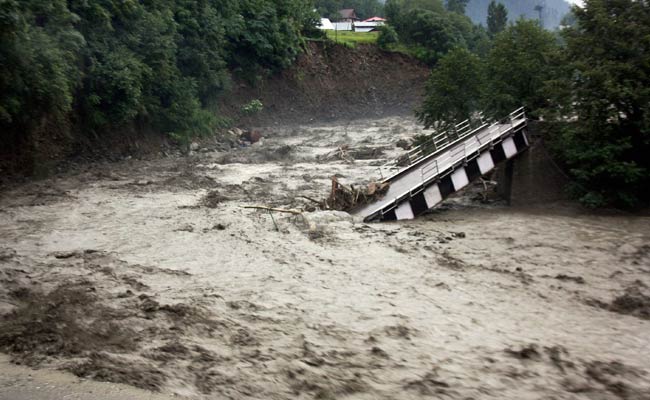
pixel 375 19
pixel 343 26
pixel 348 15
pixel 369 25
pixel 326 24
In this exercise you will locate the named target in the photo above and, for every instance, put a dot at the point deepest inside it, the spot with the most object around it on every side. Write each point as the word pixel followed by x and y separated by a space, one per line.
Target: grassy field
pixel 352 38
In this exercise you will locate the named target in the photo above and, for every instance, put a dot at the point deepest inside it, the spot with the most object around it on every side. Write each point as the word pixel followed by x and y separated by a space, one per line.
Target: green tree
pixel 396 10
pixel 607 147
pixel 497 18
pixel 109 64
pixel 366 8
pixel 453 91
pixel 329 8
pixel 387 37
pixel 518 66
pixel 393 10
pixel 457 6
pixel 431 34
pixel 38 63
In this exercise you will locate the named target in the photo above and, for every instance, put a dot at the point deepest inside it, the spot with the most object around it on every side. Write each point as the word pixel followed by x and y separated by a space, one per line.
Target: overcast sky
pixel 578 2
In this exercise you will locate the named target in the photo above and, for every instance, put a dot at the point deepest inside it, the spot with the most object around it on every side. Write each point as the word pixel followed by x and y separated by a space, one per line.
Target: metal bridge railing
pixel 479 138
pixel 434 144
pixel 445 139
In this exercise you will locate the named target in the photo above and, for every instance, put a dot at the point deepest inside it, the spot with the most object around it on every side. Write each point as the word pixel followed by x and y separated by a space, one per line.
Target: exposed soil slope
pixel 332 82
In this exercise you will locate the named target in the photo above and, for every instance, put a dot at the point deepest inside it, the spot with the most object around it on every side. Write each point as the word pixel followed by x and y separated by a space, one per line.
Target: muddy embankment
pixel 332 83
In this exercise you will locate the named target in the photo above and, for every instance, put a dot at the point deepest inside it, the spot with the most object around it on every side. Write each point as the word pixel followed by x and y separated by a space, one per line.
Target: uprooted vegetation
pixel 347 198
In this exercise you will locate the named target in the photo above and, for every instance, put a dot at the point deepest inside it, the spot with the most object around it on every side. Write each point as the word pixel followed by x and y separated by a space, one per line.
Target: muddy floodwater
pixel 149 280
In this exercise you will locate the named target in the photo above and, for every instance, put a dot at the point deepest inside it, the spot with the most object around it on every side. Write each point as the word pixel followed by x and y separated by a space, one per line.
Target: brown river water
pixel 148 280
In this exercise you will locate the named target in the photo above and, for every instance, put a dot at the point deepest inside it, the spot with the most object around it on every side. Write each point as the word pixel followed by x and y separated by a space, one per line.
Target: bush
pixel 387 37
pixel 253 107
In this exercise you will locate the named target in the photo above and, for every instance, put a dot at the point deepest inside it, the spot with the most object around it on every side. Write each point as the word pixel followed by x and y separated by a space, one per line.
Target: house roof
pixel 375 19
pixel 348 13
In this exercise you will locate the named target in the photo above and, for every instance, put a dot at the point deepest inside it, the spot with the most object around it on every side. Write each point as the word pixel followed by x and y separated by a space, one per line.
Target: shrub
pixel 387 37
pixel 253 107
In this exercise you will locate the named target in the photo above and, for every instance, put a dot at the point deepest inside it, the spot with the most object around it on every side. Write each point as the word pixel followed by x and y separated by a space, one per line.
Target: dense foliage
pixel 430 30
pixel 387 37
pixel 104 64
pixel 607 77
pixel 517 66
pixel 454 89
pixel 591 82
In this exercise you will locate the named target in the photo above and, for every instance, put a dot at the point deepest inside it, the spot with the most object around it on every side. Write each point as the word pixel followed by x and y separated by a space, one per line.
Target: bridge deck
pixel 438 163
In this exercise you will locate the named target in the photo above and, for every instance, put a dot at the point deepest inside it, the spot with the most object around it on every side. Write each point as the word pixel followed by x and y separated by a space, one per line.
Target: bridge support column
pixel 504 181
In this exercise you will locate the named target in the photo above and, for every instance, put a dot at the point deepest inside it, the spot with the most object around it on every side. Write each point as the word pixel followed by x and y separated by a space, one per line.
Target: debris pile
pixel 349 154
pixel 237 137
pixel 341 153
pixel 346 198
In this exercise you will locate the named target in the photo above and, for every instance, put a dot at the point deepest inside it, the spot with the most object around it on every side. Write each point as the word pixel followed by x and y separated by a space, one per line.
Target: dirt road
pixel 151 275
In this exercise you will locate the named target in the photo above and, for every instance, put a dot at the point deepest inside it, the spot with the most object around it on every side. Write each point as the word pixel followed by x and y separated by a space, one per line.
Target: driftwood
pixel 349 154
pixel 271 210
pixel 346 198
pixel 280 210
pixel 341 153
pixel 320 203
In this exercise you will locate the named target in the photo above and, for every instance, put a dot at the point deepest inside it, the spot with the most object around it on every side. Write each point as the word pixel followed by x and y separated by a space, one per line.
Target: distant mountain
pixel 552 10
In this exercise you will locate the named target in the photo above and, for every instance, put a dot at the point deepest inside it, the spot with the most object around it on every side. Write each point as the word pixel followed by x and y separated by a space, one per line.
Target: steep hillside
pixel 552 13
pixel 333 82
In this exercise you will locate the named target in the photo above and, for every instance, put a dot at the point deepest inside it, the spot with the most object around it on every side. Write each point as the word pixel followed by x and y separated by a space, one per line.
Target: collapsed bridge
pixel 445 164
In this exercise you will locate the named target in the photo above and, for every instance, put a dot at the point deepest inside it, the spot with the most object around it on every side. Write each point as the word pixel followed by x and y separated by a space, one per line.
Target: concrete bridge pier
pixel 532 178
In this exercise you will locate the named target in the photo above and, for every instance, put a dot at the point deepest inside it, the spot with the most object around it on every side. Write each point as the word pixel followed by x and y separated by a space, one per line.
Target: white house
pixel 369 24
pixel 366 26
pixel 326 24
pixel 343 26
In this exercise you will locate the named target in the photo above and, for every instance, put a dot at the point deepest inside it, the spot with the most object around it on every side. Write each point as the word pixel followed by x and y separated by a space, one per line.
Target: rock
pixel 252 136
pixel 403 144
pixel 194 146
pixel 255 136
